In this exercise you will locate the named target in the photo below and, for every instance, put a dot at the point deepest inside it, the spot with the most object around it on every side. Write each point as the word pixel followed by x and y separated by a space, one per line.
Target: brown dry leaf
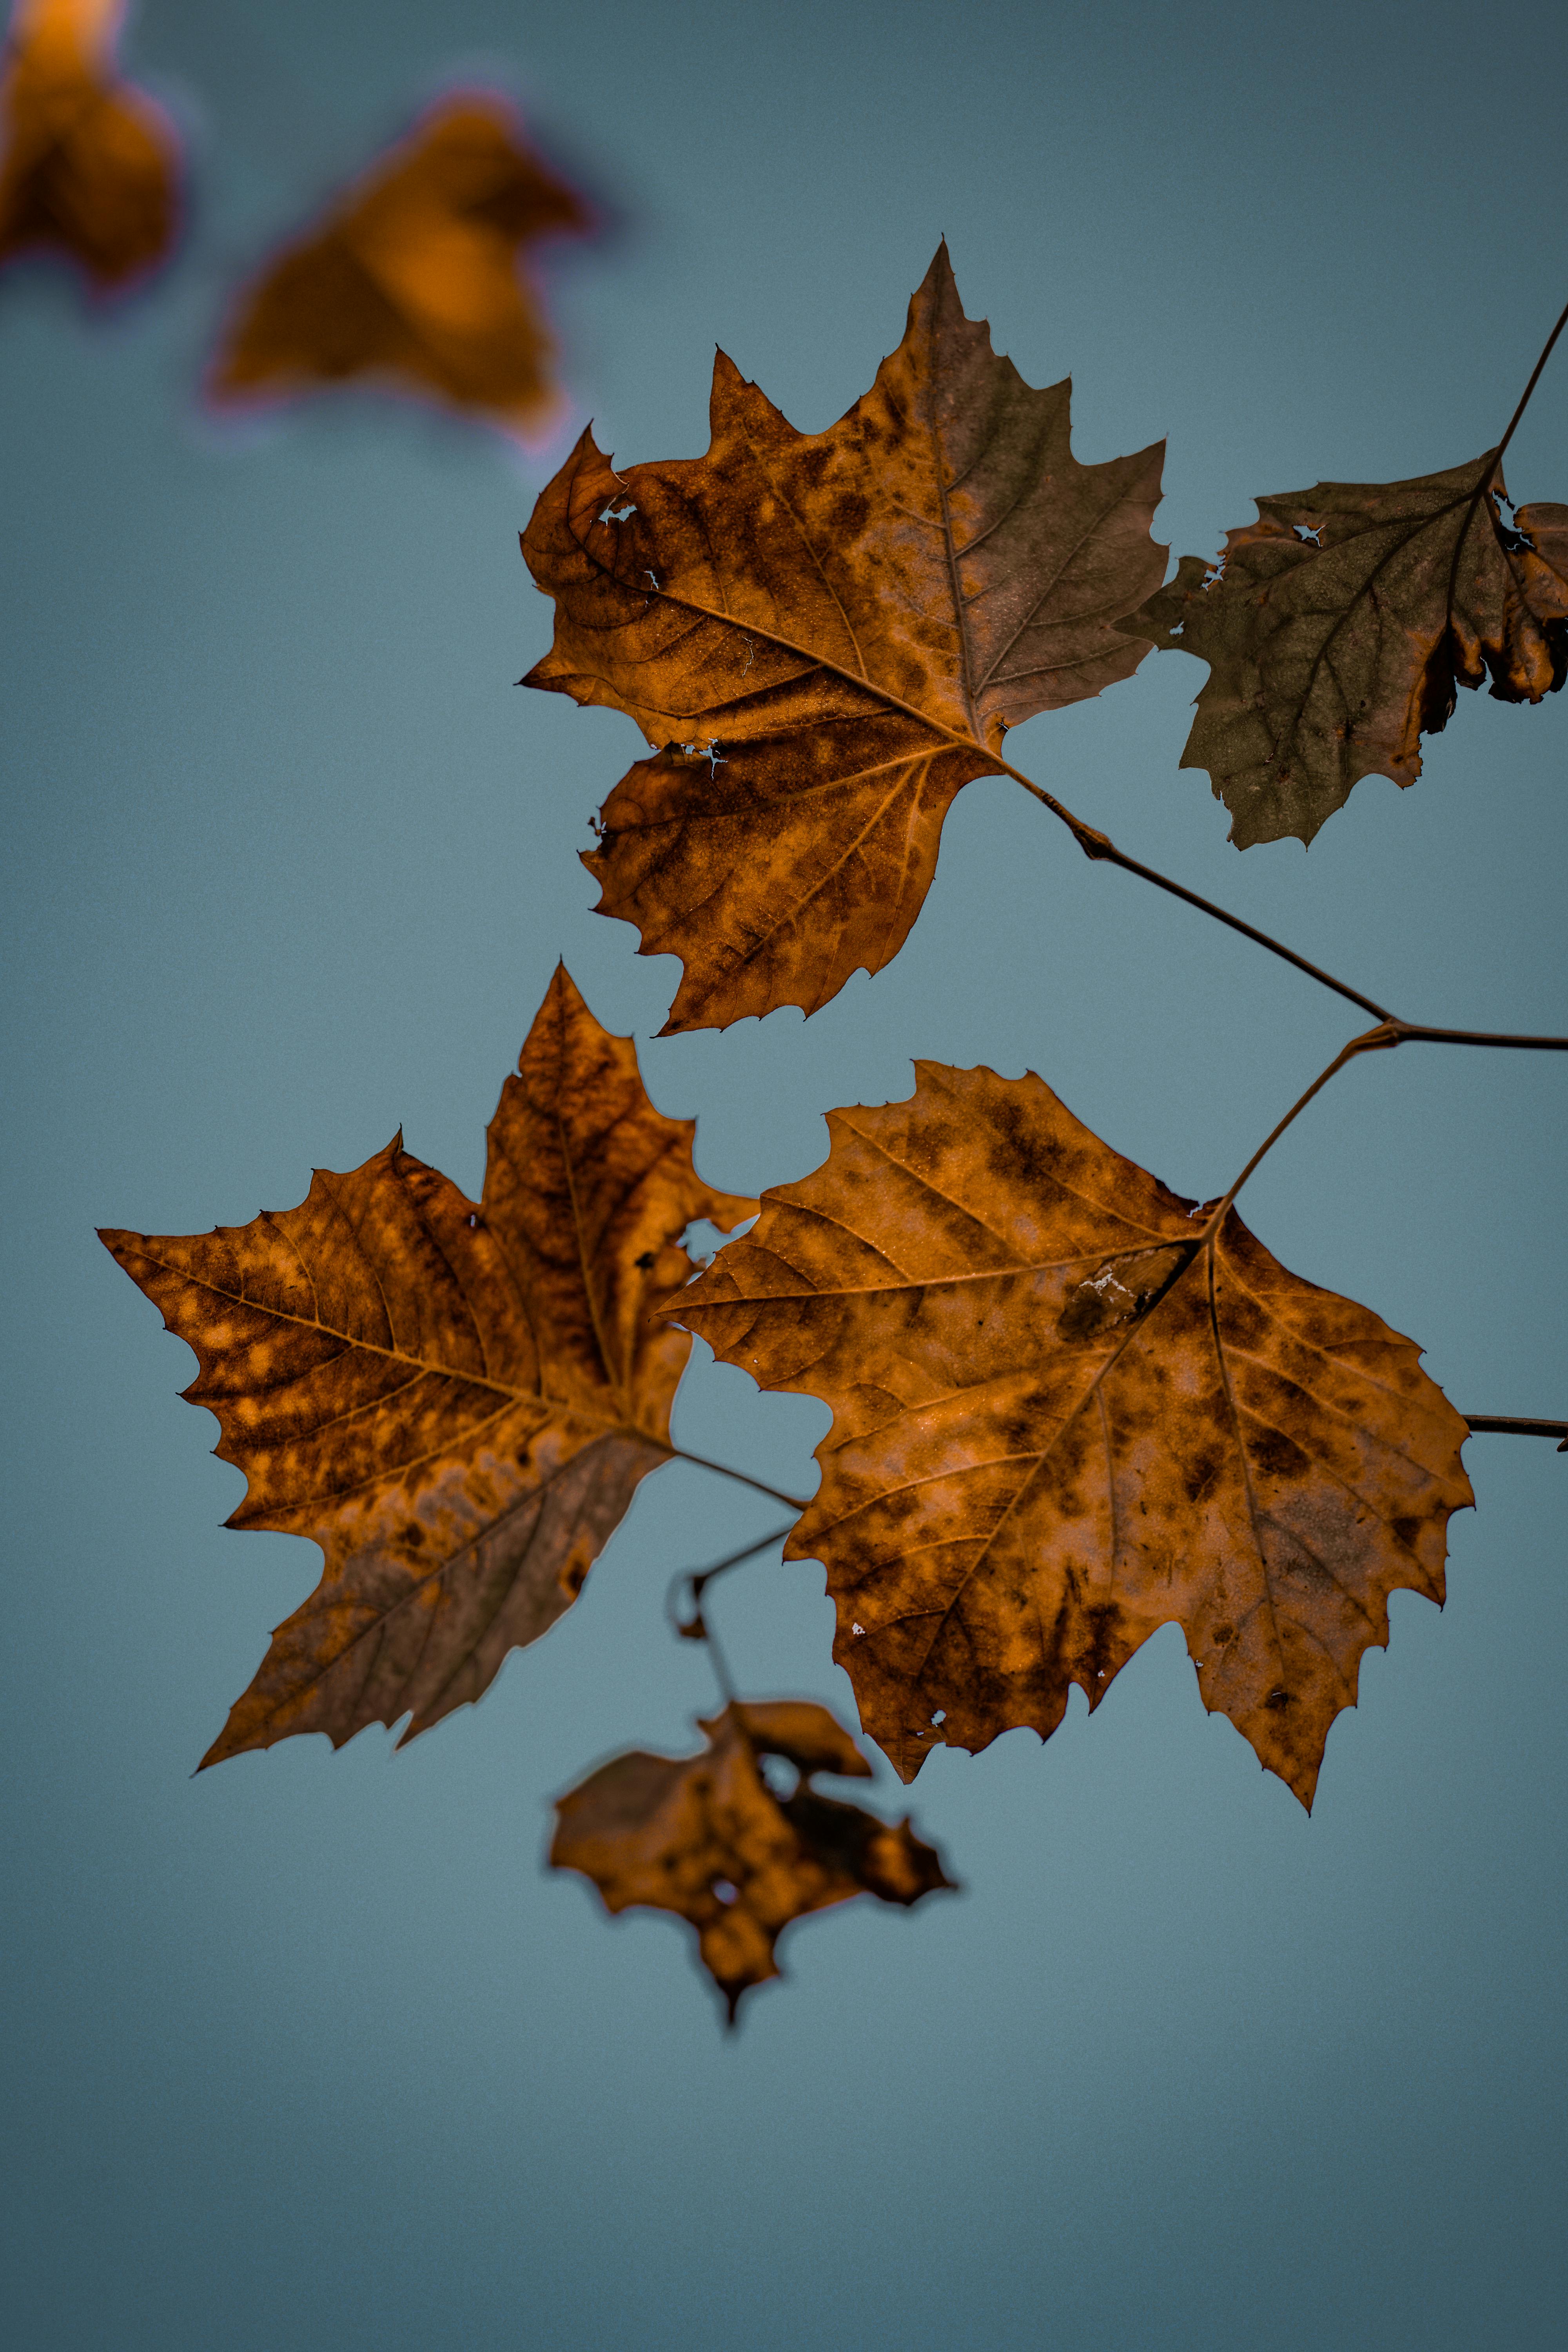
pixel 1339 625
pixel 455 1400
pixel 1064 1414
pixel 704 1836
pixel 413 278
pixel 90 166
pixel 824 636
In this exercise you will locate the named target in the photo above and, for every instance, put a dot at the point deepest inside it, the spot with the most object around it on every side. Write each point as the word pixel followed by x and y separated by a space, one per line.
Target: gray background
pixel 308 2051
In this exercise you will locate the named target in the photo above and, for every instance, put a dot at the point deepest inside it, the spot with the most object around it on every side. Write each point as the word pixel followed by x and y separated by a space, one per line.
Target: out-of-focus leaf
pixel 414 280
pixel 90 166
pixel 824 636
pixel 456 1400
pixel 704 1836
pixel 1066 1412
pixel 1338 626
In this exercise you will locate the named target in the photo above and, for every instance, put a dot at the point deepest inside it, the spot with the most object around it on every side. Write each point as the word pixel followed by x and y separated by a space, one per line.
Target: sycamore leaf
pixel 1066 1412
pixel 824 636
pixel 704 1836
pixel 90 166
pixel 455 1400
pixel 1338 627
pixel 413 278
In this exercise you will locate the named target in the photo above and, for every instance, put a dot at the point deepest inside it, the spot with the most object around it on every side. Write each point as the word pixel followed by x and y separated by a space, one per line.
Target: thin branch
pixel 1509 1424
pixel 1414 1031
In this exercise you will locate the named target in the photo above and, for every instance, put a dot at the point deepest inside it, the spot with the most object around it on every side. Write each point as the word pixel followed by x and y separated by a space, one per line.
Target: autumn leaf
pixel 413 278
pixel 1338 626
pixel 90 166
pixel 455 1400
pixel 705 1837
pixel 824 636
pixel 1068 1409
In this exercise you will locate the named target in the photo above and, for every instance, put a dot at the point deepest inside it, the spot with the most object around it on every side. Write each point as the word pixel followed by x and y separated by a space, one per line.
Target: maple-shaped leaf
pixel 705 1836
pixel 414 280
pixel 90 166
pixel 824 636
pixel 1338 627
pixel 454 1399
pixel 1068 1409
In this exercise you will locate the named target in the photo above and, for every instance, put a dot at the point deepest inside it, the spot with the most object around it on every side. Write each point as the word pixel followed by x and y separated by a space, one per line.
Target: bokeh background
pixel 309 2052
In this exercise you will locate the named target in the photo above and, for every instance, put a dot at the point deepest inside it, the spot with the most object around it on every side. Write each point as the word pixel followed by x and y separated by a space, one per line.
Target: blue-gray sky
pixel 308 2050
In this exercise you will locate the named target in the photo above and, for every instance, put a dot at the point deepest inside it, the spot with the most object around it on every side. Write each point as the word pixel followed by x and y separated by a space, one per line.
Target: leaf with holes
pixel 90 166
pixel 824 636
pixel 1338 626
pixel 413 280
pixel 704 1836
pixel 455 1400
pixel 1068 1409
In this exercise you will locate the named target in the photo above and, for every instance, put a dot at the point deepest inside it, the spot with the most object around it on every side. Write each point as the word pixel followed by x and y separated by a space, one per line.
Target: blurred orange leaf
pixel 1338 626
pixel 1068 1409
pixel 90 166
pixel 455 1400
pixel 705 1837
pixel 825 635
pixel 414 280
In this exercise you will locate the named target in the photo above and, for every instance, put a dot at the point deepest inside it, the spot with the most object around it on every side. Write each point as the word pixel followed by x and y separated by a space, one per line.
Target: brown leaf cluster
pixel 1338 626
pixel 90 166
pixel 704 1836
pixel 824 636
pixel 456 1400
pixel 414 277
pixel 1069 1408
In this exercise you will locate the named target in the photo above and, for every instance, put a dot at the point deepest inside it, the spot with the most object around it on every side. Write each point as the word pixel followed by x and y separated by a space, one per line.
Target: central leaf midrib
pixel 390 1355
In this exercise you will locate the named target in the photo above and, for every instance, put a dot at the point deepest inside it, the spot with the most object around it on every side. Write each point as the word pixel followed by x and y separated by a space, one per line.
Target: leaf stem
pixel 744 1477
pixel 1509 1424
pixel 696 1627
pixel 1389 1033
pixel 1097 845
pixel 1373 1041
pixel 1524 397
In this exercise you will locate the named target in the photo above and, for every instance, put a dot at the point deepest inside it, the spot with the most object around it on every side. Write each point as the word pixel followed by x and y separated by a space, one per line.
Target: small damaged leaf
pixel 455 1400
pixel 706 1837
pixel 90 166
pixel 1338 626
pixel 413 278
pixel 843 626
pixel 1064 1415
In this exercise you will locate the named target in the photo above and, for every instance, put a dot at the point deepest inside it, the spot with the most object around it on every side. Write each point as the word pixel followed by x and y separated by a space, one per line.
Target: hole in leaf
pixel 781 1776
pixel 940 1715
pixel 726 1890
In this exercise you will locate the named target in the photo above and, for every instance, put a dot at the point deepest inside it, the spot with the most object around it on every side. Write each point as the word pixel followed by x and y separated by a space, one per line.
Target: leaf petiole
pixel 680 1453
pixel 695 1627
pixel 1511 1424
